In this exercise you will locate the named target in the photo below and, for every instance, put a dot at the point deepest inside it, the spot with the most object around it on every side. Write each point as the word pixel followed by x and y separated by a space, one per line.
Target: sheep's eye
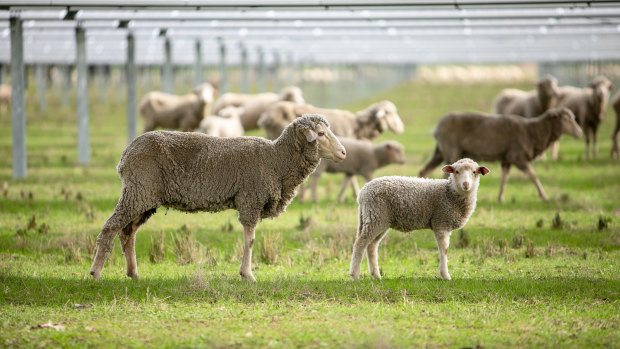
pixel 457 172
pixel 321 133
pixel 474 172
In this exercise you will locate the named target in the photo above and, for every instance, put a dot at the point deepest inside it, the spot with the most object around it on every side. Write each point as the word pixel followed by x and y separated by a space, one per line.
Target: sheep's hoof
pixel 96 276
pixel 354 277
pixel 444 275
pixel 248 277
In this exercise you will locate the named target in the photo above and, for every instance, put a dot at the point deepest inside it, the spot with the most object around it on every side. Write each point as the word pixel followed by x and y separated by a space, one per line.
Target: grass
pixel 525 272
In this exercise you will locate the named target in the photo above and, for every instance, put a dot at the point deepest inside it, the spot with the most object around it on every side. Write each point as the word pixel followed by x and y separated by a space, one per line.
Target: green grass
pixel 561 292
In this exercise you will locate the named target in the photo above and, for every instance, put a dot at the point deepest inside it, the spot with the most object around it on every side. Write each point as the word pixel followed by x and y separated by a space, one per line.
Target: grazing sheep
pixel 363 158
pixel 409 203
pixel 615 104
pixel 176 112
pixel 193 172
pixel 365 124
pixel 5 97
pixel 256 104
pixel 226 124
pixel 589 105
pixel 528 104
pixel 510 139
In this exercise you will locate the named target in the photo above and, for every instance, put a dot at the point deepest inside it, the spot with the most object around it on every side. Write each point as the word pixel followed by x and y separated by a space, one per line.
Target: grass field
pixel 525 272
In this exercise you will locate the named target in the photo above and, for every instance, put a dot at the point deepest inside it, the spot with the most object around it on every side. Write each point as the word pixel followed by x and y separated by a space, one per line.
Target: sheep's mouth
pixel 338 158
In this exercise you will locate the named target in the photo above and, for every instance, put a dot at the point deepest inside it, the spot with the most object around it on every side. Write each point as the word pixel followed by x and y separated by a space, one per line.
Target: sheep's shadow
pixel 217 287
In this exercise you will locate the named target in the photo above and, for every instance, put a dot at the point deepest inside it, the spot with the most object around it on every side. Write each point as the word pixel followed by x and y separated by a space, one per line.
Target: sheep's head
pixel 465 175
pixel 292 94
pixel 395 152
pixel 569 125
pixel 600 86
pixel 231 112
pixel 205 92
pixel 547 88
pixel 386 116
pixel 314 128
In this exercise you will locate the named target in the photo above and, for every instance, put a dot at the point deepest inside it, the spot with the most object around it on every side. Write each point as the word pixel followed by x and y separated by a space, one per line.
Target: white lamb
pixel 410 203
pixel 226 124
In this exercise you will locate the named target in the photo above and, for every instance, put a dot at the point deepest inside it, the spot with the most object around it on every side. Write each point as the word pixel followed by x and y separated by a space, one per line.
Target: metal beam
pixel 82 98
pixel 223 68
pixel 168 78
pixel 18 101
pixel 132 105
pixel 39 72
pixel 245 85
pixel 198 71
pixel 276 71
pixel 262 85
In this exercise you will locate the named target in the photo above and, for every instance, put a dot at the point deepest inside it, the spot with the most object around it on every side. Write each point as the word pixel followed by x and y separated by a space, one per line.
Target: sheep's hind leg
pixel 530 172
pixel 105 242
pixel 443 242
pixel 128 242
pixel 505 172
pixel 372 253
pixel 246 263
pixel 345 183
pixel 435 160
pixel 366 233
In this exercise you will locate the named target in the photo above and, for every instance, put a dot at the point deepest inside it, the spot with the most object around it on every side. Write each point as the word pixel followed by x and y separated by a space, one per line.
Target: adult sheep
pixel 194 172
pixel 255 104
pixel 409 203
pixel 589 105
pixel 528 103
pixel 510 139
pixel 366 124
pixel 615 104
pixel 183 113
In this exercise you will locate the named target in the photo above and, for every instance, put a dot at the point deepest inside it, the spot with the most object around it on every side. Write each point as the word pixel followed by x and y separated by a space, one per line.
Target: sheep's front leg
pixel 246 263
pixel 505 172
pixel 443 242
pixel 372 252
pixel 128 244
pixel 555 150
pixel 594 145
pixel 345 184
pixel 356 187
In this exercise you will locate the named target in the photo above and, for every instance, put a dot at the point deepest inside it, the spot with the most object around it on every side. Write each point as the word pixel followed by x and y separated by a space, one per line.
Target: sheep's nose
pixel 466 185
pixel 344 153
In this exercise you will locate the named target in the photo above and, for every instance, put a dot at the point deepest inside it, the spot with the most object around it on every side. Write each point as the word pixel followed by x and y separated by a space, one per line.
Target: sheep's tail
pixel 435 160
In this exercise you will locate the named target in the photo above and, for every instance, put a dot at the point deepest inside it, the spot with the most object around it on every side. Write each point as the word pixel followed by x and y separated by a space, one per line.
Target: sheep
pixel 528 104
pixel 226 124
pixel 510 139
pixel 363 158
pixel 5 97
pixel 615 104
pixel 256 104
pixel 160 109
pixel 410 203
pixel 366 124
pixel 589 105
pixel 194 172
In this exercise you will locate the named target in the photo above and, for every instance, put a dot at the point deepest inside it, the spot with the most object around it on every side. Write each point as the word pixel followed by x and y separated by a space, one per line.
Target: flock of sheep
pixel 259 177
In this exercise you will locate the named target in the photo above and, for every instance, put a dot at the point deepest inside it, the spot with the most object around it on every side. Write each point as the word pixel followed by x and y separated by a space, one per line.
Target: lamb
pixel 589 105
pixel 409 203
pixel 528 104
pixel 363 158
pixel 226 124
pixel 510 139
pixel 615 104
pixel 366 124
pixel 255 105
pixel 194 172
pixel 5 97
pixel 160 109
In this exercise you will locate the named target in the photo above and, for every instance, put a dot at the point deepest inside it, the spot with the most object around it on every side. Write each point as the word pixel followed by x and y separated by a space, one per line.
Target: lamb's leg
pixel 586 132
pixel 372 253
pixel 443 242
pixel 435 160
pixel 128 242
pixel 345 184
pixel 594 145
pixel 505 172
pixel 314 182
pixel 530 172
pixel 246 263
pixel 366 233
pixel 614 137
pixel 301 193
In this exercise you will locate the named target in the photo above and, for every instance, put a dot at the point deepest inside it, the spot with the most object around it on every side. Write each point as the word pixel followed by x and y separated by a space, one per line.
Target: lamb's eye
pixel 474 172
pixel 457 172
pixel 321 133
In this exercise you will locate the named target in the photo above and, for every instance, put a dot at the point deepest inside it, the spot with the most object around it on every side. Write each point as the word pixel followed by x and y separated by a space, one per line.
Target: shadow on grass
pixel 214 288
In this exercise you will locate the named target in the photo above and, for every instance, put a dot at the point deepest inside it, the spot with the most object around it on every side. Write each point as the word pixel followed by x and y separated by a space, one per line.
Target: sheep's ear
pixel 483 170
pixel 310 135
pixel 448 169
pixel 380 113
pixel 388 146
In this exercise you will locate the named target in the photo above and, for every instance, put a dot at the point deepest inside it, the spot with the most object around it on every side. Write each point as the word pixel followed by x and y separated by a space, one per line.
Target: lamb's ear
pixel 483 170
pixel 380 113
pixel 448 169
pixel 388 146
pixel 310 134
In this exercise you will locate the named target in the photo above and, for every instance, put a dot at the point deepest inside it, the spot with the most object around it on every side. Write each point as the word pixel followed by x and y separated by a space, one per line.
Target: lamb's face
pixel 396 152
pixel 548 86
pixel 569 125
pixel 465 175
pixel 330 147
pixel 206 92
pixel 292 94
pixel 387 115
